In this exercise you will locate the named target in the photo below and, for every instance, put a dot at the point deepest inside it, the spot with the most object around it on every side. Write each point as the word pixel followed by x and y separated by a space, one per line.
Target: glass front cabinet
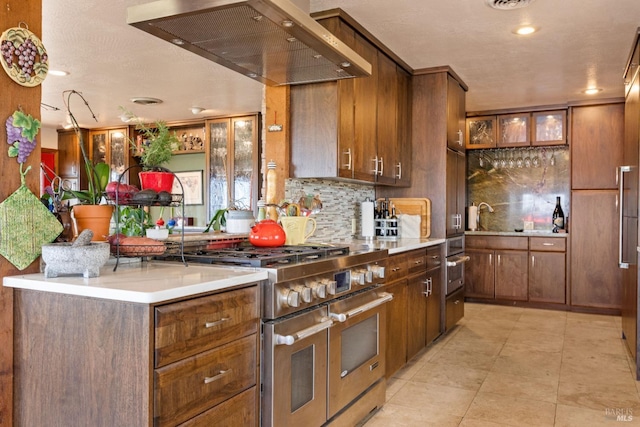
pixel 111 146
pixel 233 162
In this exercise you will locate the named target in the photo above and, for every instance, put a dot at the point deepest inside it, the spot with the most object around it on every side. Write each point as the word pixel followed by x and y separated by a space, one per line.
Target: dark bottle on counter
pixel 558 217
pixel 394 222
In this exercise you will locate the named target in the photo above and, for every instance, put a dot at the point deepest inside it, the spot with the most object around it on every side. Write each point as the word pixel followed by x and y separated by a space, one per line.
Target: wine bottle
pixel 394 221
pixel 558 217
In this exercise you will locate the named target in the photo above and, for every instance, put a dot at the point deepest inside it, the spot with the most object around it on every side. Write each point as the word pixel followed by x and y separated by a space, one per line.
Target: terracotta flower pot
pixel 158 181
pixel 96 218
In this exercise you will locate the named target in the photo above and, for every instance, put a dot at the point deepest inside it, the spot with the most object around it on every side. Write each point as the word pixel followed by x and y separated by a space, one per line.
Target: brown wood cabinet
pixel 549 128
pixel 514 130
pixel 597 133
pixel 547 270
pixel 112 147
pixel 413 316
pixel 595 275
pixel 456 192
pixel 481 132
pixel 353 128
pixel 497 268
pixel 456 111
pixel 70 162
pixel 596 151
pixel 189 361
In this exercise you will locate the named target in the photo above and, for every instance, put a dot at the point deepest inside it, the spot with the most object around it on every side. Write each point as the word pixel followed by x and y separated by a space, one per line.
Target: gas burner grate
pixel 265 257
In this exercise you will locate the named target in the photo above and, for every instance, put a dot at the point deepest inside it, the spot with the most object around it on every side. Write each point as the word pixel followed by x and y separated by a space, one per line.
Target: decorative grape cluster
pixel 25 52
pixel 21 135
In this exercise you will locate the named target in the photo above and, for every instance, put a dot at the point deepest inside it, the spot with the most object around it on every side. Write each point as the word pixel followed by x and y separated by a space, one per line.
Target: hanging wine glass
pixel 527 159
pixel 481 159
pixel 512 161
pixel 503 159
pixel 496 160
pixel 543 156
pixel 519 161
pixel 535 161
pixel 552 160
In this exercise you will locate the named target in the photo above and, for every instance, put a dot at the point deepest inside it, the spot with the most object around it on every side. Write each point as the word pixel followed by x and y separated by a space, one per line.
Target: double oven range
pixel 323 331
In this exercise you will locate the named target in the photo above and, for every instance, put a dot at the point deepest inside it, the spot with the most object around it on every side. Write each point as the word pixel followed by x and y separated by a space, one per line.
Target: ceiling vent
pixel 146 100
pixel 508 4
pixel 272 41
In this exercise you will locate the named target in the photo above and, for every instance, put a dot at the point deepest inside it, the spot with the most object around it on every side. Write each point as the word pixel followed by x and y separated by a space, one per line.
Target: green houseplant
pixel 154 145
pixel 89 212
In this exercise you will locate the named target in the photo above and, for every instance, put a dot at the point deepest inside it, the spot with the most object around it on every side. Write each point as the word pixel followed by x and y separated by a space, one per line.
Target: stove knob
pixel 357 277
pixel 368 276
pixel 332 287
pixel 291 298
pixel 377 270
pixel 304 292
pixel 320 290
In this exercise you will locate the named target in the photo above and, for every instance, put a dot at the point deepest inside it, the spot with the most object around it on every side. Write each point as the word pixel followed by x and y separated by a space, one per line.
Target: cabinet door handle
pixel 548 244
pixel 375 165
pixel 460 138
pixel 399 167
pixel 381 166
pixel 490 259
pixel 348 164
pixel 220 374
pixel 498 260
pixel 217 322
pixel 533 261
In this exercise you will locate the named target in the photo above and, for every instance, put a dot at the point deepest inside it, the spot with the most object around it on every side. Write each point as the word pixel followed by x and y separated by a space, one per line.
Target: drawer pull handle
pixel 208 380
pixel 548 244
pixel 217 322
pixel 418 262
pixel 395 269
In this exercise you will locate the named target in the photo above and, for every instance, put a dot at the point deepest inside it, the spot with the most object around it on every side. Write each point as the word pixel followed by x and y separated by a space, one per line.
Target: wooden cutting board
pixel 415 206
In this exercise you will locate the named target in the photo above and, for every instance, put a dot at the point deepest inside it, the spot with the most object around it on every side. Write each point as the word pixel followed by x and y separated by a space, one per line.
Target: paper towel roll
pixel 367 219
pixel 472 217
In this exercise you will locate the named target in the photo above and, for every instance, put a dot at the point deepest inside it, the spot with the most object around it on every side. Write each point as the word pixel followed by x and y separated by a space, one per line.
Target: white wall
pixel 49 138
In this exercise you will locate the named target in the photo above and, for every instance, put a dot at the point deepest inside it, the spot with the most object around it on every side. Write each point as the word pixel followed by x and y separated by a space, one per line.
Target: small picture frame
pixel 192 186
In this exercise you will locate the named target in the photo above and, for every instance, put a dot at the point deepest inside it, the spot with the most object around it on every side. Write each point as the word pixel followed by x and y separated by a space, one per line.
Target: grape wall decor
pixel 25 222
pixel 24 57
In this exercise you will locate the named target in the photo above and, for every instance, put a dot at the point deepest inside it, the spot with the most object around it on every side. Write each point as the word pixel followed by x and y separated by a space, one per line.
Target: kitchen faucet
pixel 480 205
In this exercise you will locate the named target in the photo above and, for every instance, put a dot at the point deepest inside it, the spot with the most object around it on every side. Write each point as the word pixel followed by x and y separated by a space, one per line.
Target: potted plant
pixel 155 145
pixel 90 212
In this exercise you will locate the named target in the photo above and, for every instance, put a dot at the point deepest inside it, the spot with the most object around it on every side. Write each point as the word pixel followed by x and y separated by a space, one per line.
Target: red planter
pixel 158 181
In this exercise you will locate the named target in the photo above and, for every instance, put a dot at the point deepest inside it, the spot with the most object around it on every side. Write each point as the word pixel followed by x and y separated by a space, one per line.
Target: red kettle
pixel 267 233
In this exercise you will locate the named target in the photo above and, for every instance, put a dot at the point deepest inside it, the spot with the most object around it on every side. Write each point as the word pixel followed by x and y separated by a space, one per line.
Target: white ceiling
pixel 580 43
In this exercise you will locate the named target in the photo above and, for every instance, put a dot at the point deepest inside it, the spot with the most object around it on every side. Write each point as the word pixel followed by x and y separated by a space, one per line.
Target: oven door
pixel 356 346
pixel 455 272
pixel 294 369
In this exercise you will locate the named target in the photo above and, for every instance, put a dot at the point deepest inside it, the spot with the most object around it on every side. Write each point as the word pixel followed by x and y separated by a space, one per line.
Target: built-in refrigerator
pixel 628 196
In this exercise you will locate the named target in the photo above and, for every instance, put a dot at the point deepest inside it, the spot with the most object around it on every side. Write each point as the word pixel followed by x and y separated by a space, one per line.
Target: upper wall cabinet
pixel 517 130
pixel 549 128
pixel 481 132
pixel 355 129
pixel 111 146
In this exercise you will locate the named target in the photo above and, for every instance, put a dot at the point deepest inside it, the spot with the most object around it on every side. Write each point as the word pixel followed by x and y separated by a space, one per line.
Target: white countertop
pixel 148 282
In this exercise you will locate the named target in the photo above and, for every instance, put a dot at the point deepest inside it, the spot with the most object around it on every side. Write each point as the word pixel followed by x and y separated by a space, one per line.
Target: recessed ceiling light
pixel 592 91
pixel 58 73
pixel 508 4
pixel 525 30
pixel 143 100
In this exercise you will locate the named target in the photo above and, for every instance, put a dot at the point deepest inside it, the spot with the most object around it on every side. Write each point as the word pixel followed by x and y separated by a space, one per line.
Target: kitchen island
pixel 149 344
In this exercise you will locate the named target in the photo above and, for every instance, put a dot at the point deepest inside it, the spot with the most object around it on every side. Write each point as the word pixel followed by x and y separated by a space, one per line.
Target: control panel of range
pixel 294 295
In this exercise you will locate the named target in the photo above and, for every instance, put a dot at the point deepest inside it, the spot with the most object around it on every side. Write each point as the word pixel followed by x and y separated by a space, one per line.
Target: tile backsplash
pixel 518 194
pixel 340 205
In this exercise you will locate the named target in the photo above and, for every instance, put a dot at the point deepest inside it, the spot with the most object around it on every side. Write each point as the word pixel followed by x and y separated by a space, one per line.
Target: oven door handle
pixel 458 261
pixel 302 334
pixel 342 317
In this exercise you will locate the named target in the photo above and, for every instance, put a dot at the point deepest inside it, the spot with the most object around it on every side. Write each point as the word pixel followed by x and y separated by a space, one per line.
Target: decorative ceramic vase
pixel 96 218
pixel 158 181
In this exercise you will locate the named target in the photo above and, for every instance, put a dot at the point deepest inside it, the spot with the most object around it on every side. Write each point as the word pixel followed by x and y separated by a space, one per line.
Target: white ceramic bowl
pixel 157 233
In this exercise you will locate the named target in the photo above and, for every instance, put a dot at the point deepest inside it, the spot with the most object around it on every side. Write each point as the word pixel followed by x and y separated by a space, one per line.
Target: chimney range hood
pixel 272 41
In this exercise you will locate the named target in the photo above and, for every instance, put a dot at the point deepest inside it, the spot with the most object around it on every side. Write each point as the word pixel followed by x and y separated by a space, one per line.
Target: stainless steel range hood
pixel 272 41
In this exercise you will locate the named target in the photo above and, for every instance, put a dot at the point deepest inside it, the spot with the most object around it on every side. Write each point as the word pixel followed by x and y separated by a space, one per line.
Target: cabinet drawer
pixel 454 308
pixel 189 327
pixel 240 410
pixel 416 261
pixel 191 386
pixel 434 257
pixel 549 244
pixel 396 267
pixel 497 242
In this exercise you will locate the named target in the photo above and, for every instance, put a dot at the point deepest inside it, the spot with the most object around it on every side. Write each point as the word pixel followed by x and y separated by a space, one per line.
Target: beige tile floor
pixel 517 367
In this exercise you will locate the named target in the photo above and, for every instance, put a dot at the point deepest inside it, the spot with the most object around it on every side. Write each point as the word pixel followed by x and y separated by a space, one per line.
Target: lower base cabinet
pixel 142 364
pixel 413 316
pixel 547 277
pixel 454 308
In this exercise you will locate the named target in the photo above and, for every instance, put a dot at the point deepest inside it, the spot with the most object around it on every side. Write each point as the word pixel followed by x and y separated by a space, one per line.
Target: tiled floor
pixel 517 367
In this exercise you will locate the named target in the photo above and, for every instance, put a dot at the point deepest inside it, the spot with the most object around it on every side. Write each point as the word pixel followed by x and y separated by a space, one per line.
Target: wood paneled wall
pixel 12 96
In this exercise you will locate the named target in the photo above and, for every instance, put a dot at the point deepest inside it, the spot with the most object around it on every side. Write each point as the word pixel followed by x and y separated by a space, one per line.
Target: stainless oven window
pixel 359 344
pixel 302 372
